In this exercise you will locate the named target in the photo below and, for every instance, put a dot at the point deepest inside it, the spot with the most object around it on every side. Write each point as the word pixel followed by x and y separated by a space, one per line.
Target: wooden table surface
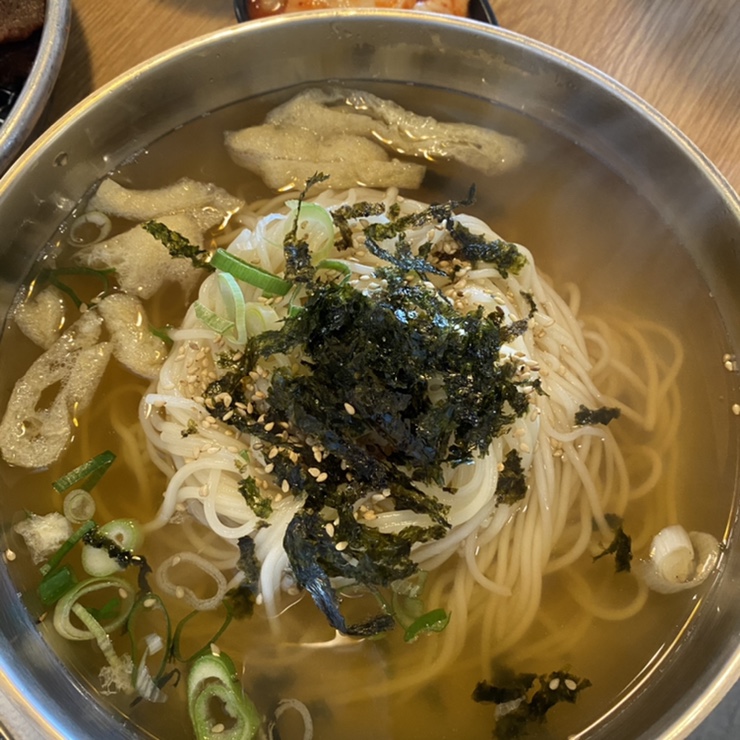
pixel 682 56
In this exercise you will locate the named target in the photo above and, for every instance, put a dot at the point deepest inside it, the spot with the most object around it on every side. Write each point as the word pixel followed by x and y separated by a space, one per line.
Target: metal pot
pixel 556 91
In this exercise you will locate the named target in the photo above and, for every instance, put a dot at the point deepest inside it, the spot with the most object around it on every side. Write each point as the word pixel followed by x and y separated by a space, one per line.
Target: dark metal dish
pixel 28 71
pixel 478 10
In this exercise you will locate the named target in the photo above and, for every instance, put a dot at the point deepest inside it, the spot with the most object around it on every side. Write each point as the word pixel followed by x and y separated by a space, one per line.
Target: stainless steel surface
pixel 562 93
pixel 29 106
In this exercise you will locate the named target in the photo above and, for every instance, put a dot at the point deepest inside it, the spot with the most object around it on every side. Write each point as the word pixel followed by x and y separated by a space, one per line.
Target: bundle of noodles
pixel 514 488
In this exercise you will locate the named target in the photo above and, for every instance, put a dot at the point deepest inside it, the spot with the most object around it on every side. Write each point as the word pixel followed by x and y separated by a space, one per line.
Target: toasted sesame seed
pixel 570 684
pixel 149 603
pixel 269 427
pixel 314 472
pixel 273 453
pixel 553 685
pixel 285 486
pixel 269 467
pixel 322 477
pixel 350 409
pixel 179 592
pixel 736 409
pixel 343 545
pixel 217 729
pixel 123 593
pixel 329 527
pixel 9 555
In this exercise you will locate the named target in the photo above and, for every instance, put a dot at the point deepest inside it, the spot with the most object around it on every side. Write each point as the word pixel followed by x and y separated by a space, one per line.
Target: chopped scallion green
pixel 433 621
pixel 177 653
pixel 55 585
pixel 212 682
pixel 211 319
pixel 337 266
pixel 66 546
pixel 87 475
pixel 256 276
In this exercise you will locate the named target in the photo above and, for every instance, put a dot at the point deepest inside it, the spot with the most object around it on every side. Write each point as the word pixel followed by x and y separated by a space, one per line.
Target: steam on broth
pixel 590 234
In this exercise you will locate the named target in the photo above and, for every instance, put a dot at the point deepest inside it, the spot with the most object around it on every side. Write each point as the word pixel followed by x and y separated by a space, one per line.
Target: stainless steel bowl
pixel 561 93
pixel 29 106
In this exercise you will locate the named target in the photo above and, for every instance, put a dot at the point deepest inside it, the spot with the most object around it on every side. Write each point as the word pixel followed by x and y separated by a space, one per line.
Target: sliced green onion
pixel 211 319
pixel 163 334
pixel 337 266
pixel 293 308
pixel 298 706
pixel 86 475
pixel 256 276
pixel 679 560
pixel 96 631
pixel 145 685
pixel 78 231
pixel 146 604
pixel 433 621
pixel 108 611
pixel 65 606
pixel 56 584
pixel 78 506
pixel 177 638
pixel 212 681
pixel 260 318
pixel 52 277
pixel 313 223
pixel 125 533
pixel 233 299
pixel 56 558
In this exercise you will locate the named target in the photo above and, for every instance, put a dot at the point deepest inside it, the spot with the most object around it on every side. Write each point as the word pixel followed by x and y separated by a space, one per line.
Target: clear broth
pixel 584 225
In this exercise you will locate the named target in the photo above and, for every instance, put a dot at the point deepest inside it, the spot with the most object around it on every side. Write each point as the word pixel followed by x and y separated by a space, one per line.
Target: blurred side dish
pixel 262 8
pixel 20 29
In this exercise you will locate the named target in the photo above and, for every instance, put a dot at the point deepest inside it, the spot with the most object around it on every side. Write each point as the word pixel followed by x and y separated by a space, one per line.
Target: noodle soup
pixel 521 587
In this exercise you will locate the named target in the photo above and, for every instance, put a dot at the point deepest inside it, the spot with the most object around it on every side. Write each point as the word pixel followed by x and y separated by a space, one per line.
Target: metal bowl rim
pixel 692 715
